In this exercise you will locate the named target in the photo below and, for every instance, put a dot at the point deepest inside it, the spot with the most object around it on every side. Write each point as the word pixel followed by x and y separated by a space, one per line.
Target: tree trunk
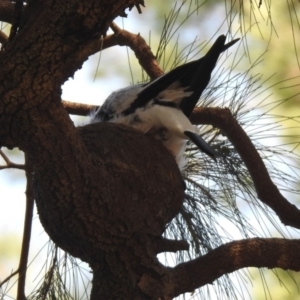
pixel 114 219
pixel 104 193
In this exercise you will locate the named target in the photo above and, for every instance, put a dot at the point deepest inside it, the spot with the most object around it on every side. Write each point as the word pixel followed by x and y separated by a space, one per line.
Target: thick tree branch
pixel 266 190
pixel 142 51
pixel 269 253
pixel 123 37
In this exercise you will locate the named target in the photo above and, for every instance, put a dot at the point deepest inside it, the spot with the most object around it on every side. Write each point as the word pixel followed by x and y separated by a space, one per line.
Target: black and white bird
pixel 162 107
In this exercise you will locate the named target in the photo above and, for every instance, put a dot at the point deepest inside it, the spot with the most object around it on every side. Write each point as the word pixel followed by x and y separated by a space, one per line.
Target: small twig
pixel 9 277
pixel 26 232
pixel 9 164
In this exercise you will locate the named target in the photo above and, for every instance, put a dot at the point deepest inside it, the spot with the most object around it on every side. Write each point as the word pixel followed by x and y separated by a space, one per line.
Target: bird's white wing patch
pixel 174 96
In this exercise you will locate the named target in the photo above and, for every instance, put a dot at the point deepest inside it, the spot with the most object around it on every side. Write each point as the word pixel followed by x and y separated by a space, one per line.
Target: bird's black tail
pixel 198 77
pixel 201 144
pixel 194 76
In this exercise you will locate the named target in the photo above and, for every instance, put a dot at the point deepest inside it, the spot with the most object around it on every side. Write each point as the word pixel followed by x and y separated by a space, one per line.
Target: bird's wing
pixel 116 103
pixel 194 76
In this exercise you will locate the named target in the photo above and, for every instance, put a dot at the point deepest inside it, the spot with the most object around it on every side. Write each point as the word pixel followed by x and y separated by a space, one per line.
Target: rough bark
pixel 113 219
pixel 257 252
pixel 93 209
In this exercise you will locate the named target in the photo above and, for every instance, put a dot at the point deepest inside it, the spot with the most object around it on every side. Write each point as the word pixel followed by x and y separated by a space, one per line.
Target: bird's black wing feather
pixel 153 88
pixel 195 75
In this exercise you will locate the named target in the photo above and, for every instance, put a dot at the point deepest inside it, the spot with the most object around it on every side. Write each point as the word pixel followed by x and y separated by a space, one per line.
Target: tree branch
pixel 9 277
pixel 266 190
pixel 27 231
pixel 136 43
pixel 142 51
pixel 9 164
pixel 257 252
pixel 78 108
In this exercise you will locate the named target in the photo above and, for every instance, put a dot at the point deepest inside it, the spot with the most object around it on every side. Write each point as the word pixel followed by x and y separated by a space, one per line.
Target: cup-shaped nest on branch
pixel 135 190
